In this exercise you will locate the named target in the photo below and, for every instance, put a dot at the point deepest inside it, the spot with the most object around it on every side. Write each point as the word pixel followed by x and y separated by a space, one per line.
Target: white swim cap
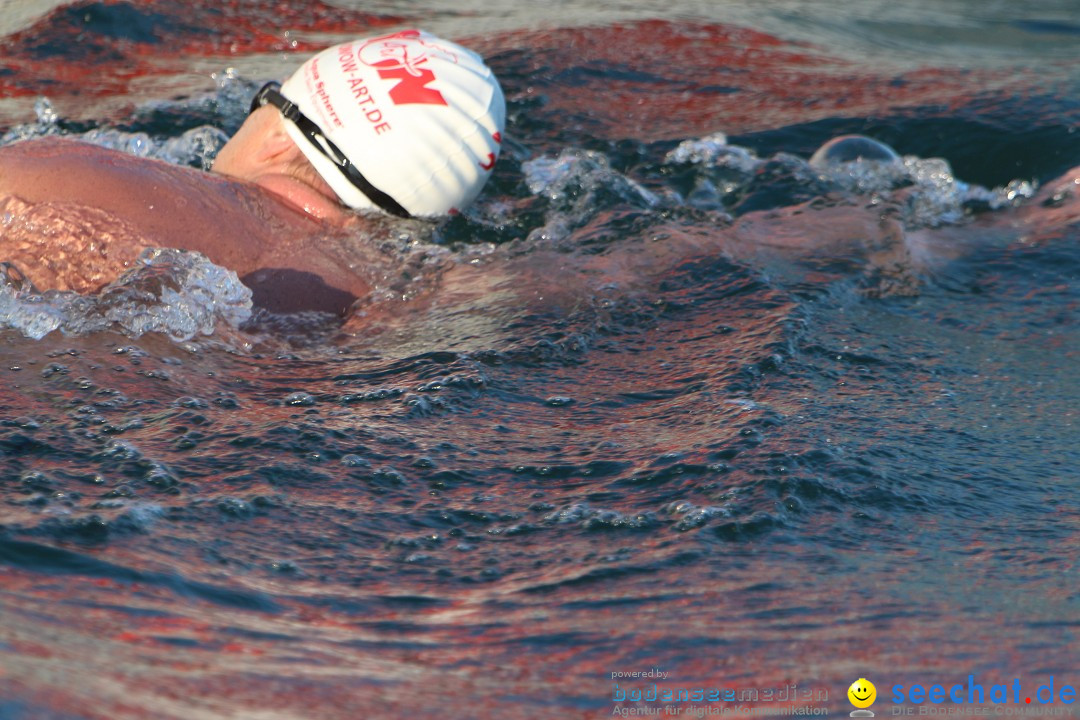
pixel 420 118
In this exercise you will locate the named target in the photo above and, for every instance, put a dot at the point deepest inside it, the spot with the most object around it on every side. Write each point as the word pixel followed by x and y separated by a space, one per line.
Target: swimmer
pixel 401 125
pixel 404 124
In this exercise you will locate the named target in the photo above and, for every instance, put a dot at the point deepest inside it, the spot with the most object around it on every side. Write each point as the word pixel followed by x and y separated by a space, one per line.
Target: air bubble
pixel 853 148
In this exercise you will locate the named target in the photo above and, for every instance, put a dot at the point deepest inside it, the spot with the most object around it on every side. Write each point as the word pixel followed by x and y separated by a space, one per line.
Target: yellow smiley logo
pixel 862 693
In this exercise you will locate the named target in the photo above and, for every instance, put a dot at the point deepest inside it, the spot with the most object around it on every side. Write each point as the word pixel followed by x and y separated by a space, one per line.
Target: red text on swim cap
pixel 403 57
pixel 360 91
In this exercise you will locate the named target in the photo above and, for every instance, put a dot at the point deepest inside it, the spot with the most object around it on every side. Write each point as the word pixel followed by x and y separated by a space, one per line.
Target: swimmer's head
pixel 406 123
pixel 852 148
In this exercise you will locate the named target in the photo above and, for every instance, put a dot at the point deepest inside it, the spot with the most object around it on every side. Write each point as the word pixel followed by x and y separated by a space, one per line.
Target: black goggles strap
pixel 271 95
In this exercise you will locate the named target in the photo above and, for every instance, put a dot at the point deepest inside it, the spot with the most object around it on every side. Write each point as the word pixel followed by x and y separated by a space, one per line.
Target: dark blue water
pixel 652 430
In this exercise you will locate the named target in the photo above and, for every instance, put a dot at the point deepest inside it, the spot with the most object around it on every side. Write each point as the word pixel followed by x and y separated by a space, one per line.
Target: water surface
pixel 748 470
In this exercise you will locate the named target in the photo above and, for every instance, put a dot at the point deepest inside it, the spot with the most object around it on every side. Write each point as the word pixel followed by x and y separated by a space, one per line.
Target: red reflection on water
pixel 99 48
pixel 668 80
pixel 495 652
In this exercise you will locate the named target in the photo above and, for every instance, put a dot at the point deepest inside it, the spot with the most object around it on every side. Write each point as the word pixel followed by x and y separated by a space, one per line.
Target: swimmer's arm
pixel 145 193
pixel 877 237
pixel 6 179
pixel 33 170
pixel 17 178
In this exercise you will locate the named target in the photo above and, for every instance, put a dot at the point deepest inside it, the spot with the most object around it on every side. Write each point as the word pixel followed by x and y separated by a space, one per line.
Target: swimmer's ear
pixel 260 145
pixel 274 145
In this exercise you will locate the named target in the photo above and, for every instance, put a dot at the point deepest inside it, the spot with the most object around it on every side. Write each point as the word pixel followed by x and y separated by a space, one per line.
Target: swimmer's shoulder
pixel 67 170
pixel 279 251
pixel 161 197
pixel 170 205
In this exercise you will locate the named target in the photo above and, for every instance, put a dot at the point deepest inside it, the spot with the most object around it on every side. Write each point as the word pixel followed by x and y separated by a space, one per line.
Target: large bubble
pixel 852 148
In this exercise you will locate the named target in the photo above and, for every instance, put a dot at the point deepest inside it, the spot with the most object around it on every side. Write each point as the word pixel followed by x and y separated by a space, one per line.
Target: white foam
pixel 178 293
pixel 571 183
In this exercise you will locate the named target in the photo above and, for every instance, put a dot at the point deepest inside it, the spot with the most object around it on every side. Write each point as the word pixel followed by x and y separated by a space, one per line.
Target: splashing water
pixel 175 292
pixel 933 196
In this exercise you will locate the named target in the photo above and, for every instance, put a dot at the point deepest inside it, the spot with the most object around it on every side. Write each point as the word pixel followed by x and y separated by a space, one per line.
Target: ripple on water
pixel 680 459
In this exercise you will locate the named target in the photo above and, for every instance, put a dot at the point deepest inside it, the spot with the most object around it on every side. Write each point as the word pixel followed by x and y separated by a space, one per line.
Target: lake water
pixel 749 471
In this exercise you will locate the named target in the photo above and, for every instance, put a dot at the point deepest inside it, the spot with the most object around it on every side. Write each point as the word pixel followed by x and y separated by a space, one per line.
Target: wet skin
pixel 75 216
